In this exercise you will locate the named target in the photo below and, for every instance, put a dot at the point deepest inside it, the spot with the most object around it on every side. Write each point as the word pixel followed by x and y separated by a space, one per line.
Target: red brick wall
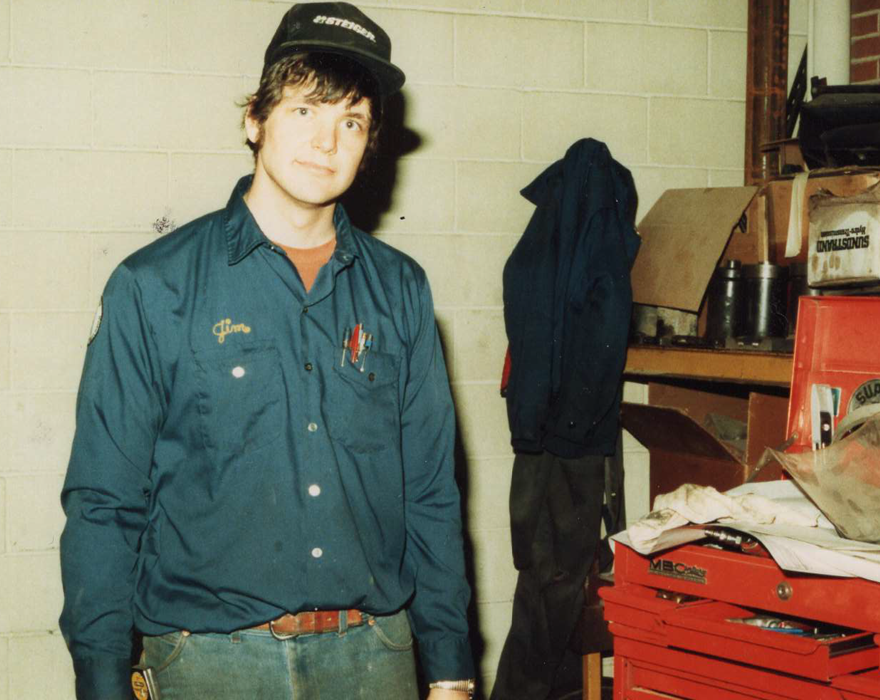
pixel 864 52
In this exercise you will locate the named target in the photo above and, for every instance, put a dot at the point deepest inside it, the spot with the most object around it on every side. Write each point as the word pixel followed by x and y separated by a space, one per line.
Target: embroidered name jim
pixel 225 327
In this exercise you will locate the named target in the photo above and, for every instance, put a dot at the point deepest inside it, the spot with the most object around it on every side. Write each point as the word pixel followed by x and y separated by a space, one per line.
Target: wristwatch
pixel 469 686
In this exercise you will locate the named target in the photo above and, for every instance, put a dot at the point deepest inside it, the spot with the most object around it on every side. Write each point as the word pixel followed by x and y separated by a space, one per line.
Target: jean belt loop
pixel 343 622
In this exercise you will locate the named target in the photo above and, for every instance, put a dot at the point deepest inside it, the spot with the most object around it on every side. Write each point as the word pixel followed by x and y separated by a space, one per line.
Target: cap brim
pixel 389 77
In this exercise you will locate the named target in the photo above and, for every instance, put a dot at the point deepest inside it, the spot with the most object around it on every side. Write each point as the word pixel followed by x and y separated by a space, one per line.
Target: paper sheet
pixel 796 215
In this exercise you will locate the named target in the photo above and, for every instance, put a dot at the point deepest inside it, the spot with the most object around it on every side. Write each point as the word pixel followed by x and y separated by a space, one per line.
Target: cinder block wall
pixel 116 124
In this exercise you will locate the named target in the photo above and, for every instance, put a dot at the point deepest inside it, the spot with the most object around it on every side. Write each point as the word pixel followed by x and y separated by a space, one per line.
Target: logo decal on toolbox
pixel 867 393
pixel 676 569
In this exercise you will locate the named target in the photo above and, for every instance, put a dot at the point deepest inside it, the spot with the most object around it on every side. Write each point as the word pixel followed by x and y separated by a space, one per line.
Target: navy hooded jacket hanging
pixel 567 305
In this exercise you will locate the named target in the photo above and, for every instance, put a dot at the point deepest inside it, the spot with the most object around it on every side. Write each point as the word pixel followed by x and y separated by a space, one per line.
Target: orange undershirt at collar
pixel 308 261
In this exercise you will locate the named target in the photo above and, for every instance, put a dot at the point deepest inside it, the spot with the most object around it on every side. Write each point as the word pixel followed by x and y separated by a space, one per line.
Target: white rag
pixel 690 503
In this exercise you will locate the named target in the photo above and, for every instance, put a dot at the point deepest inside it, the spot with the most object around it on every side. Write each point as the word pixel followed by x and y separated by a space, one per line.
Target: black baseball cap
pixel 339 28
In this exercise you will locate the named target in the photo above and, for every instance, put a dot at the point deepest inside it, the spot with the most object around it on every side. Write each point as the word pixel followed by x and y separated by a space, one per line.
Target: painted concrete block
pixel 631 10
pixel 232 36
pixel 30 595
pixel 34 516
pixel 99 33
pixel 32 264
pixel 701 13
pixel 488 199
pixel 482 420
pixel 41 427
pixel 421 43
pixel 705 133
pixel 420 197
pixel 657 60
pixel 174 111
pixel 728 64
pixel 553 121
pixel 511 52
pixel 40 667
pixel 45 107
pixel 37 362
pixel 480 344
pixel 55 189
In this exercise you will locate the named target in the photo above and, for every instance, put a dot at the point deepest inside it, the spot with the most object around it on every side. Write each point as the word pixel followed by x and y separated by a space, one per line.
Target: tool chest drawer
pixel 859 686
pixel 754 582
pixel 637 607
pixel 801 648
pixel 646 672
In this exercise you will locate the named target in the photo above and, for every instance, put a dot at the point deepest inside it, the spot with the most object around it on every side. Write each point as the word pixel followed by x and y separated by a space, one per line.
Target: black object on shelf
pixel 725 313
pixel 766 301
pixel 841 125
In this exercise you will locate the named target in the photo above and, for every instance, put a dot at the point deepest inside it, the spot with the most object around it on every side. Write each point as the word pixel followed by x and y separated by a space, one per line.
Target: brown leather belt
pixel 318 622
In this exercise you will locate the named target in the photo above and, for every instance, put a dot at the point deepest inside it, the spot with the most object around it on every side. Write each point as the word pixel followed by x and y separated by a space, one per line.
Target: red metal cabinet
pixel 682 645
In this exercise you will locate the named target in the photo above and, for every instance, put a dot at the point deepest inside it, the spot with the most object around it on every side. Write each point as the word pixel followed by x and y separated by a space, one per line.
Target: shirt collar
pixel 243 234
pixel 346 250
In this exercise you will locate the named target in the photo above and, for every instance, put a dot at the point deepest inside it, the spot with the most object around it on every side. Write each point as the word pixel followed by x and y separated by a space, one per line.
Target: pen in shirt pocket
pixel 345 340
pixel 367 344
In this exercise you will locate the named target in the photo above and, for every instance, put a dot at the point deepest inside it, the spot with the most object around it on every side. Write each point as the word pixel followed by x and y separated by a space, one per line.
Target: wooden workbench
pixel 738 366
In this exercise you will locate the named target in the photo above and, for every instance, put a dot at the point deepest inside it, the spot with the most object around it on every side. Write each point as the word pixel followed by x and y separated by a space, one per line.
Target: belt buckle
pixel 279 637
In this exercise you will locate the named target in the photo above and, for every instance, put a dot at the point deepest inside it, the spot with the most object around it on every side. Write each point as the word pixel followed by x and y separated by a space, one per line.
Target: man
pixel 262 474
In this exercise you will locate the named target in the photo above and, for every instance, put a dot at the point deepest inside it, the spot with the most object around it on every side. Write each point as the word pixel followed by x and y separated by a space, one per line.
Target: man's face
pixel 311 150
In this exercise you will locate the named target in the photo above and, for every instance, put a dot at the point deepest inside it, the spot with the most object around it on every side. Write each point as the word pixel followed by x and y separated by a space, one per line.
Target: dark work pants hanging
pixel 555 514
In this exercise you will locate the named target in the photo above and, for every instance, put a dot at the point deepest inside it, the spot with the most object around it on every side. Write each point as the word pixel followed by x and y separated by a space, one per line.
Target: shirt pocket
pixel 240 398
pixel 364 407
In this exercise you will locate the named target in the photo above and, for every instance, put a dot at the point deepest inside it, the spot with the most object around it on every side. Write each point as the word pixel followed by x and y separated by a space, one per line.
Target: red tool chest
pixel 669 614
pixel 684 619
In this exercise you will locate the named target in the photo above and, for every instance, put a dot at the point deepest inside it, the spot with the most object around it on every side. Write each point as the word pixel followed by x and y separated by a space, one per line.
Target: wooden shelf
pixel 709 365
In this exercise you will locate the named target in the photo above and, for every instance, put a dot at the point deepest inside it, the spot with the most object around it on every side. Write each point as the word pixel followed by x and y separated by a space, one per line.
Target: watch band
pixel 469 686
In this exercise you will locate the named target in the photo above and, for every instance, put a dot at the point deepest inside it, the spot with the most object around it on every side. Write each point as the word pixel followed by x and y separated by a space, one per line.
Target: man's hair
pixel 333 78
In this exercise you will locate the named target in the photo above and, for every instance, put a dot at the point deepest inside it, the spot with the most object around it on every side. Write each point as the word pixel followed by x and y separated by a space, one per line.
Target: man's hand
pixel 442 694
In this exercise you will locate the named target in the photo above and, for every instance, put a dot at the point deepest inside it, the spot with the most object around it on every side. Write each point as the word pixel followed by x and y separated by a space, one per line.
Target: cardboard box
pixel 682 450
pixel 840 182
pixel 844 238
pixel 683 238
pixel 689 231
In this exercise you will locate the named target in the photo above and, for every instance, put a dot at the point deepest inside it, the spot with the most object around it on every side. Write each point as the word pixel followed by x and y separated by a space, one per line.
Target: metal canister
pixel 798 287
pixel 725 313
pixel 766 300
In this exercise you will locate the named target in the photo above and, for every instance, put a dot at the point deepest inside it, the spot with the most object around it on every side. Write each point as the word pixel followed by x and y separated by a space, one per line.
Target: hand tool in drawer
pixel 819 653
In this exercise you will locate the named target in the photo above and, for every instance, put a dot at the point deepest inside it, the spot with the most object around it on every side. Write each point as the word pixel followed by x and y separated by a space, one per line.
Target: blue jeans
pixel 373 660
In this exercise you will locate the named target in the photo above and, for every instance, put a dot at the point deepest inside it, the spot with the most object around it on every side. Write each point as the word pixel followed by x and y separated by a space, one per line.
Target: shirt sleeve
pixel 106 492
pixel 434 552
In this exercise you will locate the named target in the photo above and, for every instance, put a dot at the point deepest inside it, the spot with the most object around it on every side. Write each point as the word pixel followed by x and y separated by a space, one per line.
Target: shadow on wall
pixel 478 644
pixel 461 478
pixel 371 194
pixel 366 202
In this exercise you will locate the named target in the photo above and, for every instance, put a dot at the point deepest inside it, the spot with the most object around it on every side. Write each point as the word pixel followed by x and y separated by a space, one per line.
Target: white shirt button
pixel 317 552
pixel 314 490
pixel 238 372
pixel 313 427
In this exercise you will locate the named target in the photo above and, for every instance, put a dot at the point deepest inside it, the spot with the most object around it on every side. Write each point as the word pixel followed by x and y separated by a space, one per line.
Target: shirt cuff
pixel 447 659
pixel 102 678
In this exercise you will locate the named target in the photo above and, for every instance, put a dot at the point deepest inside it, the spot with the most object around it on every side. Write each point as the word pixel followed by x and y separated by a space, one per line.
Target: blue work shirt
pixel 232 462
